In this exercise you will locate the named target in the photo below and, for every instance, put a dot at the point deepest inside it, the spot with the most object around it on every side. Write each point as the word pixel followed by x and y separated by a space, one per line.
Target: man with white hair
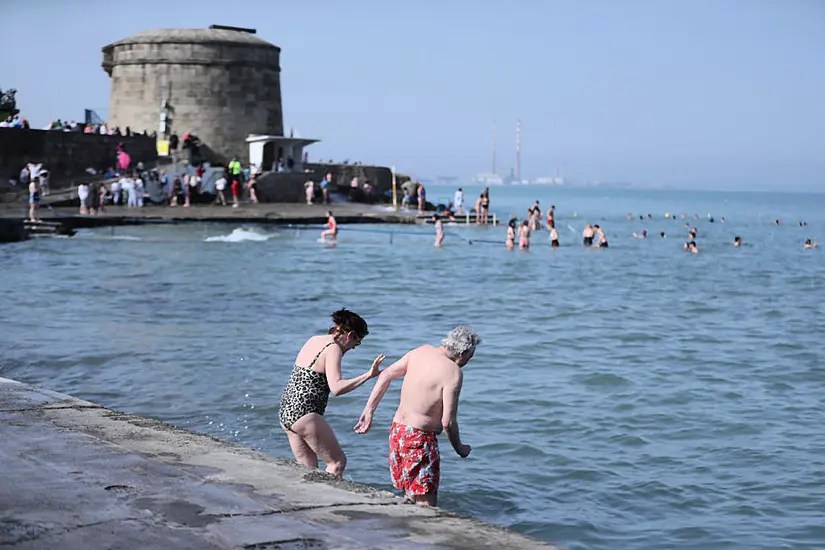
pixel 429 402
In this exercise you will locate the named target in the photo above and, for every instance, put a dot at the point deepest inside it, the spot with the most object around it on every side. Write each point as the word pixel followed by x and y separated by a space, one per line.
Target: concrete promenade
pixel 275 213
pixel 77 475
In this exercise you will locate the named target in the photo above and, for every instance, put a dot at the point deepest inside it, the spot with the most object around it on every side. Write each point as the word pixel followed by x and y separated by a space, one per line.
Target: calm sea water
pixel 637 397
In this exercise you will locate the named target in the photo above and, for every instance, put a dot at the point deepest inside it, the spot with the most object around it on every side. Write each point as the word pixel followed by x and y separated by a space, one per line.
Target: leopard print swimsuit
pixel 306 392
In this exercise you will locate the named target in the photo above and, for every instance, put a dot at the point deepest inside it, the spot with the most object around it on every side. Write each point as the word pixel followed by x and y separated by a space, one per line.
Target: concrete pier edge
pixel 80 475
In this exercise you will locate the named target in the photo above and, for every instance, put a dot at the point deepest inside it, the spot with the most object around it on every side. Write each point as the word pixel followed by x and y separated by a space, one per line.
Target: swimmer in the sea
pixel 333 228
pixel 535 216
pixel 642 235
pixel 524 235
pixel 691 247
pixel 511 235
pixel 587 235
pixel 601 238
pixel 809 244
pixel 662 234
pixel 737 241
pixel 439 231
pixel 551 216
pixel 554 237
pixel 777 222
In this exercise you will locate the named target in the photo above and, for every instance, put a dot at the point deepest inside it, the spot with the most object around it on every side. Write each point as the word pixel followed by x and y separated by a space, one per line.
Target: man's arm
pixel 449 415
pixel 396 370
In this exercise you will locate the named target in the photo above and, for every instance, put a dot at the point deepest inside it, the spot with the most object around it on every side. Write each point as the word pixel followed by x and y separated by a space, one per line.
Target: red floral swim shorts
pixel 415 463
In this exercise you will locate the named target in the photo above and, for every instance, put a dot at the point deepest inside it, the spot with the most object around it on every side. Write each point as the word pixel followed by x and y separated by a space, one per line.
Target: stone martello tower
pixel 220 83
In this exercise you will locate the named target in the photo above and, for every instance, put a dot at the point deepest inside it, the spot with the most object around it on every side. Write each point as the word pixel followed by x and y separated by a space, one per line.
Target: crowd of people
pixel 519 232
pixel 17 121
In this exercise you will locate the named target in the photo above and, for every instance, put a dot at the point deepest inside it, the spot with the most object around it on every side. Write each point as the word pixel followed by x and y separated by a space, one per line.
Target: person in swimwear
pixel 535 216
pixel 524 235
pixel 551 216
pixel 737 241
pixel 587 235
pixel 429 403
pixel 601 237
pixel 252 185
pixel 511 234
pixel 485 205
pixel 333 228
pixel 642 235
pixel 478 208
pixel 306 393
pixel 554 237
pixel 422 198
pixel 809 244
pixel 439 231
pixel 34 198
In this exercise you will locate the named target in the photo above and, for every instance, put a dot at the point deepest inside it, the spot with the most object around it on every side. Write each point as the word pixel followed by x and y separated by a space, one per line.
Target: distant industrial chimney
pixel 518 150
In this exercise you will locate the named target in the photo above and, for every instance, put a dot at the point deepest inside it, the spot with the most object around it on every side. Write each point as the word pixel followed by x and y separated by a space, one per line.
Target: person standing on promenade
pixel 422 198
pixel 429 403
pixel 220 185
pixel 34 198
pixel 235 176
pixel 458 201
pixel 485 205
pixel 325 187
pixel 305 396
pixel 309 189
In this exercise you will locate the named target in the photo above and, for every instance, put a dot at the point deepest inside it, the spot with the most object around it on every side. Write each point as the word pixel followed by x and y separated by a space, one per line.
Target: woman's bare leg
pixel 317 434
pixel 303 453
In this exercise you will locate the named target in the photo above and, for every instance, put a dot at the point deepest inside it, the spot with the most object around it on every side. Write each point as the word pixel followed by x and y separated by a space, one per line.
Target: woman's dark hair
pixel 512 223
pixel 345 321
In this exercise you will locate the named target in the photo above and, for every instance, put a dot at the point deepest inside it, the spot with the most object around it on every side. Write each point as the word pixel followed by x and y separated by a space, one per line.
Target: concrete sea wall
pixel 77 475
pixel 12 229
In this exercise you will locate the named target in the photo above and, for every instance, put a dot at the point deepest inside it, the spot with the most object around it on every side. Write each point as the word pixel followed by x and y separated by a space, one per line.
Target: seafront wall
pixel 141 483
pixel 66 154
pixel 282 187
pixel 12 229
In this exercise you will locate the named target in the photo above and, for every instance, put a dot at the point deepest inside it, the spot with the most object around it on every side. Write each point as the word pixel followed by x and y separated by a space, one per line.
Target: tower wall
pixel 220 85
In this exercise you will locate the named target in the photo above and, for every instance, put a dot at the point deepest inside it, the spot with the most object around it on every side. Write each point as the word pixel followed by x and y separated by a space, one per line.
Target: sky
pixel 726 94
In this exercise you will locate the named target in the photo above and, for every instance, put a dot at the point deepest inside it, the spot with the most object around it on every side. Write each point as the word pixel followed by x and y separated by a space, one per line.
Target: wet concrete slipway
pixel 76 475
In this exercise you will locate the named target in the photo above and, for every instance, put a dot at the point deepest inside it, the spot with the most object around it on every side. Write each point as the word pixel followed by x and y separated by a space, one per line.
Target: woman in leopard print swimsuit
pixel 305 396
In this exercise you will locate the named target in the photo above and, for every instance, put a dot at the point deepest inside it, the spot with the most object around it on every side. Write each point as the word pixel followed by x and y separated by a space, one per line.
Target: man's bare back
pixel 430 373
pixel 429 403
